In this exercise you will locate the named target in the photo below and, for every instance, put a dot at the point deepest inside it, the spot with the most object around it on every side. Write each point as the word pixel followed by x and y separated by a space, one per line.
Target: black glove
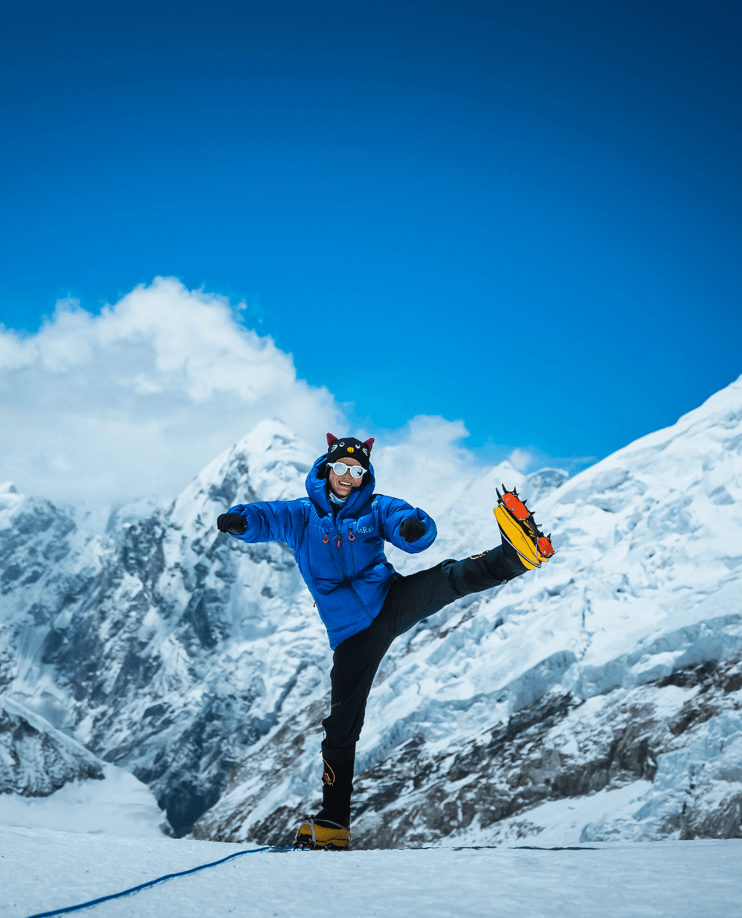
pixel 412 529
pixel 231 522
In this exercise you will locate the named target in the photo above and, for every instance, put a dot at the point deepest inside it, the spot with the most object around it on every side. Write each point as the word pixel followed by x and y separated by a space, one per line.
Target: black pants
pixel 409 600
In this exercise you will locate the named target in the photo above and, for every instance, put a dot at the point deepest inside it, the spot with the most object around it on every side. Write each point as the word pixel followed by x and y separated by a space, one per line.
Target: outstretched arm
pixel 265 521
pixel 400 522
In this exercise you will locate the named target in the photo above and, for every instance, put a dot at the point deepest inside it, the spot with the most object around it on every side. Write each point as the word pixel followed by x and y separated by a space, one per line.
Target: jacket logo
pixel 365 529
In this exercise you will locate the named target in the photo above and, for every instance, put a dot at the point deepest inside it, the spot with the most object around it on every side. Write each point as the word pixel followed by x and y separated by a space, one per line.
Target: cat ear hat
pixel 350 448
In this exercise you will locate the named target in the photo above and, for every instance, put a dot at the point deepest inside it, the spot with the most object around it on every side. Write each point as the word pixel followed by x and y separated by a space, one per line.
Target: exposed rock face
pixel 560 748
pixel 596 698
pixel 670 732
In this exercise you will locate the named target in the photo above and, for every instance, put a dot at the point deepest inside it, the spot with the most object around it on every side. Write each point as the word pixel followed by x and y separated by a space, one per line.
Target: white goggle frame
pixel 340 468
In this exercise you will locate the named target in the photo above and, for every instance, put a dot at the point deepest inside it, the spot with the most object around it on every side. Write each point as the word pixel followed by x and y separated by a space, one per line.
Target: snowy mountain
pixel 597 698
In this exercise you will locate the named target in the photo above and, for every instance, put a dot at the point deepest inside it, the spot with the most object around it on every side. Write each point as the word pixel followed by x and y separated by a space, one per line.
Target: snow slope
pixel 119 804
pixel 41 871
pixel 48 780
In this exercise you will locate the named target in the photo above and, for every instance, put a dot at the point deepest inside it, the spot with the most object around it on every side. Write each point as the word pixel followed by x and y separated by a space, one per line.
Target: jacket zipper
pixel 342 559
pixel 332 555
pixel 349 581
pixel 353 591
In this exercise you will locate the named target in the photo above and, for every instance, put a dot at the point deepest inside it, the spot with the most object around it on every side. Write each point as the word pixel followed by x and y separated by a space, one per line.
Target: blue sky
pixel 525 216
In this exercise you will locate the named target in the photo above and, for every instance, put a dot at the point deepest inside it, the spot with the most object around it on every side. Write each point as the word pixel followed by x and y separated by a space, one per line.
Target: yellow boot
pixel 322 834
pixel 519 529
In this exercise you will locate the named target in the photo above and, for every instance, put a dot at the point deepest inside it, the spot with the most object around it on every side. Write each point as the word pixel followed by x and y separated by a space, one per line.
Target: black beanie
pixel 349 447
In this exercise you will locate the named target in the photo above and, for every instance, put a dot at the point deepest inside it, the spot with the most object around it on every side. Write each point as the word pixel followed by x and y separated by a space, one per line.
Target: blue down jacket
pixel 340 558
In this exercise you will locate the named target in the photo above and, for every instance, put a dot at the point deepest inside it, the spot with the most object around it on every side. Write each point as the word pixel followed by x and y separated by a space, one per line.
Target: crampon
pixel 519 529
pixel 322 835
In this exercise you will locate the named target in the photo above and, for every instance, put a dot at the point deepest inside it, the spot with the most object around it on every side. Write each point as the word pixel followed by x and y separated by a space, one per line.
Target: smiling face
pixel 343 484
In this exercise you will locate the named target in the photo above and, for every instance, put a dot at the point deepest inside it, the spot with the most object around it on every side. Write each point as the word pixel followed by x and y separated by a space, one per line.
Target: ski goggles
pixel 340 468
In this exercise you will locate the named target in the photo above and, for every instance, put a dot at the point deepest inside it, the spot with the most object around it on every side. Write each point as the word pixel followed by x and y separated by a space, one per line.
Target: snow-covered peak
pixel 652 538
pixel 700 449
pixel 269 463
pixel 279 461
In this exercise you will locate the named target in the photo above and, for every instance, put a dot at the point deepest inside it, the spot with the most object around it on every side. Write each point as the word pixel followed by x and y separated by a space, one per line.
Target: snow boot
pixel 330 828
pixel 322 835
pixel 518 528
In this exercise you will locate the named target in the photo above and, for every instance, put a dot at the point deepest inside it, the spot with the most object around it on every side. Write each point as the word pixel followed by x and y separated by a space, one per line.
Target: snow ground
pixel 119 805
pixel 41 870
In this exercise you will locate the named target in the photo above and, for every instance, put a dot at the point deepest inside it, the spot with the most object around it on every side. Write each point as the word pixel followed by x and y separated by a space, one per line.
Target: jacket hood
pixel 316 485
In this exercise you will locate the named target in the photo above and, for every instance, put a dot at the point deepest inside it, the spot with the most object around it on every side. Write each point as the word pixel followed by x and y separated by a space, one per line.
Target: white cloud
pixel 136 400
pixel 425 461
pixel 522 459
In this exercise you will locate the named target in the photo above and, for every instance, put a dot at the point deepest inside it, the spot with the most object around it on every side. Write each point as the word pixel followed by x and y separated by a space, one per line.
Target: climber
pixel 337 534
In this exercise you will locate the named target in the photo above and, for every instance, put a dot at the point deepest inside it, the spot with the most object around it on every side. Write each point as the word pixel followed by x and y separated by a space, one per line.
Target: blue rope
pixel 169 876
